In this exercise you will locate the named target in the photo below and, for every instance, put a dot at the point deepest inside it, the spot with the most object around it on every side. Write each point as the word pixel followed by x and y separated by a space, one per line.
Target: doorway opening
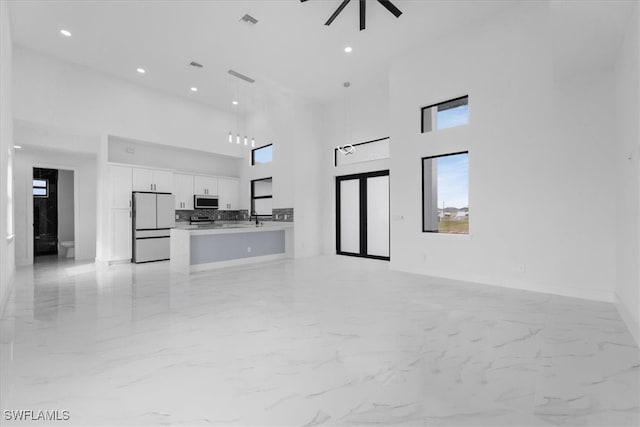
pixel 362 215
pixel 53 214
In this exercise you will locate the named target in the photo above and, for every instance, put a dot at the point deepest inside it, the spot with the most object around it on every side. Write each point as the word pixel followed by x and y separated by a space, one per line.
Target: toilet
pixel 69 246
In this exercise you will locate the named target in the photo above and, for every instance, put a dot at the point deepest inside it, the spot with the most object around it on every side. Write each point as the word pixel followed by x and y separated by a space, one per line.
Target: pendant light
pixel 235 102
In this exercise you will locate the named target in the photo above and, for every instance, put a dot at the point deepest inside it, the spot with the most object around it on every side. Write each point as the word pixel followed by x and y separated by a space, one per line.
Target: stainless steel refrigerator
pixel 153 217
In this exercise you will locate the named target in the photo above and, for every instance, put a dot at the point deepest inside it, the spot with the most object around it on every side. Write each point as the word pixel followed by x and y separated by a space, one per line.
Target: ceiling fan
pixel 363 8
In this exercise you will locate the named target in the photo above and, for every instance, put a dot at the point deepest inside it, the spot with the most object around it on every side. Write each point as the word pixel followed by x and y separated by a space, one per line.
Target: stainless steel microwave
pixel 205 201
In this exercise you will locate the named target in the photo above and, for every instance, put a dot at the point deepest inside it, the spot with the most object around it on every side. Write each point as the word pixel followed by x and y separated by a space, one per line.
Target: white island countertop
pixel 202 247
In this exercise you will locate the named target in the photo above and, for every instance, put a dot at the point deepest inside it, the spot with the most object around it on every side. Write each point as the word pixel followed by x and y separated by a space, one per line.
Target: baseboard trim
pixel 581 293
pixel 627 318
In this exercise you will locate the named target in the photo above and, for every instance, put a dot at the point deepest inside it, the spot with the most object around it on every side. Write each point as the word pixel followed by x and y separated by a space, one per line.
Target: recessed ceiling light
pixel 234 102
pixel 194 89
pixel 65 33
pixel 348 49
pixel 17 146
pixel 141 70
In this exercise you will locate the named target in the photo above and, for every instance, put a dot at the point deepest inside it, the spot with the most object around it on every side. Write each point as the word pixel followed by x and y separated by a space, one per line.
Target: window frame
pixel 253 154
pixel 254 197
pixel 422 131
pixel 432 232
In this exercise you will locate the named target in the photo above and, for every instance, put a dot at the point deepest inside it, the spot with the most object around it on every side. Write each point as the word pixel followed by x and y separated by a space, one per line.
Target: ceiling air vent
pixel 248 19
pixel 195 64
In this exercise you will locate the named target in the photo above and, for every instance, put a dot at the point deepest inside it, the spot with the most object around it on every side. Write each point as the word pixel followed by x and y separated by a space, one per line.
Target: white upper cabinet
pixel 228 194
pixel 163 181
pixel 120 182
pixel 142 179
pixel 205 185
pixel 152 180
pixel 183 190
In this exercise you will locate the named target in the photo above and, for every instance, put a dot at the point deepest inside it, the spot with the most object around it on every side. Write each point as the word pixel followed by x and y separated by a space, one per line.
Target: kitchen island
pixel 201 248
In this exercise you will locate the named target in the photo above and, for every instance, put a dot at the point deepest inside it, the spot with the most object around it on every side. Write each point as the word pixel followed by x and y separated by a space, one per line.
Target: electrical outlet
pixel 523 268
pixel 249 249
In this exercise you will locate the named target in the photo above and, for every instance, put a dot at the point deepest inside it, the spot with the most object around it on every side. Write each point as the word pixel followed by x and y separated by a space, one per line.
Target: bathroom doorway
pixel 53 214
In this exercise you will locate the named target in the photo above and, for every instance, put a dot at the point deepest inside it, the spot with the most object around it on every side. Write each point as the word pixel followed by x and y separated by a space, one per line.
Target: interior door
pixel 362 215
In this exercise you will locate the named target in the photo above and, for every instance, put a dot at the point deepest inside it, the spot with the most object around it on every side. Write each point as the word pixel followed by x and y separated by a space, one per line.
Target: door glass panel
pixel 378 216
pixel 350 216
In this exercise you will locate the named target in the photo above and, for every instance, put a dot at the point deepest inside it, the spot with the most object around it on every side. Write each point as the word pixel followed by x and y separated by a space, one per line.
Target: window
pixel 445 194
pixel 262 155
pixel 41 188
pixel 261 197
pixel 448 114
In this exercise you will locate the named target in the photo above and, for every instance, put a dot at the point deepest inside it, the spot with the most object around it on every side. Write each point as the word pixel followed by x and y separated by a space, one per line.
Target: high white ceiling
pixel 289 47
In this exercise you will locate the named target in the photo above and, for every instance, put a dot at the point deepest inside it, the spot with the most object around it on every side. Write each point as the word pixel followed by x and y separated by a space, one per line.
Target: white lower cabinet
pixel 120 234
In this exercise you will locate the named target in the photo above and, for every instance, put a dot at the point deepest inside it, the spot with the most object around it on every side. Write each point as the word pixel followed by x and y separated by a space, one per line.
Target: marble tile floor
pixel 320 341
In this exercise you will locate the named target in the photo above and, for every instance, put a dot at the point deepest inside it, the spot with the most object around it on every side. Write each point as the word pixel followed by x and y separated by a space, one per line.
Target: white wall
pixel 62 95
pixel 627 165
pixel 541 165
pixel 7 246
pixel 84 167
pixel 65 207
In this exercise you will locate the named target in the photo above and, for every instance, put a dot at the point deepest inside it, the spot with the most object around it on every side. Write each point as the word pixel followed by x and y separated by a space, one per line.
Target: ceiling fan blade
pixel 363 12
pixel 337 12
pixel 390 7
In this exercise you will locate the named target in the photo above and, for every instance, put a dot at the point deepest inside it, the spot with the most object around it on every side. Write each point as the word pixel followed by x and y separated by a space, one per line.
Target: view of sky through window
pixel 263 155
pixel 453 181
pixel 452 117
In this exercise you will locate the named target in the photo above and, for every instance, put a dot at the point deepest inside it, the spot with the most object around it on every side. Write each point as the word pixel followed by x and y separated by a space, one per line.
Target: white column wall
pixel 363 116
pixel 627 165
pixel 7 246
pixel 296 127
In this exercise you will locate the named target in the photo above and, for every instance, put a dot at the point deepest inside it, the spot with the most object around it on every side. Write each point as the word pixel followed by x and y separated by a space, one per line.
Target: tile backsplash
pixel 282 214
pixel 213 213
